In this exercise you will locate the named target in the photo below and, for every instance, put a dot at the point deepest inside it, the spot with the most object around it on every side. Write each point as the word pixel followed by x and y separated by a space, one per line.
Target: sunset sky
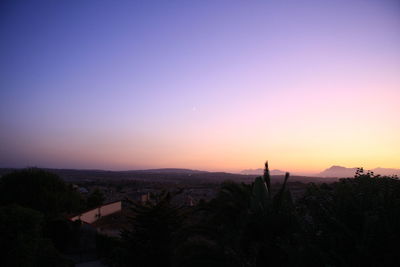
pixel 210 85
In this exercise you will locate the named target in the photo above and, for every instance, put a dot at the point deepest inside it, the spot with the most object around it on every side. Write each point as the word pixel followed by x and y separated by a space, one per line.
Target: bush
pixel 355 221
pixel 39 190
pixel 21 242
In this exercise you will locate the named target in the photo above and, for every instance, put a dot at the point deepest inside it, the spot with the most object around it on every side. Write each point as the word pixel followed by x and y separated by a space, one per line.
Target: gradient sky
pixel 212 85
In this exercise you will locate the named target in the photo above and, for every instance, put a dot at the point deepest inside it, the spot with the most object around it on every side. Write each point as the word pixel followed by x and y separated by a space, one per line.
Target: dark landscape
pixel 199 133
pixel 118 185
pixel 169 217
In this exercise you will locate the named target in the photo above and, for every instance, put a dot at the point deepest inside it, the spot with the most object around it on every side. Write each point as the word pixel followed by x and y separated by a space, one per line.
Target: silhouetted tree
pixel 46 193
pixel 95 199
pixel 245 225
pixel 355 221
pixel 39 190
pixel 150 237
pixel 21 240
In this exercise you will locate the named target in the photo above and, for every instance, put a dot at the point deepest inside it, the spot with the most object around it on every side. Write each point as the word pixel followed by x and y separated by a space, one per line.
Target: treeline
pixel 353 222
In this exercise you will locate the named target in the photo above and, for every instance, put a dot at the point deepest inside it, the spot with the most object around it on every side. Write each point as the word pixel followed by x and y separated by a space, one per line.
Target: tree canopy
pixel 39 190
pixel 22 242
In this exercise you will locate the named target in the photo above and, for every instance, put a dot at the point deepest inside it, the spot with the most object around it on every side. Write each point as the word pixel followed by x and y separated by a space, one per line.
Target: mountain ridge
pixel 335 171
pixel 260 171
pixel 341 172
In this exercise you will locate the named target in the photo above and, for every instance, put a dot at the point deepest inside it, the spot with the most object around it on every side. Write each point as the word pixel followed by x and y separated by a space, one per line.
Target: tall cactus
pixel 262 198
pixel 260 195
pixel 278 198
pixel 267 178
pixel 261 192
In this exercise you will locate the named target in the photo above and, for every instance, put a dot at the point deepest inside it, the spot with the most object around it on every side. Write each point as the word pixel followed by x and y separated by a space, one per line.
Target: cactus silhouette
pixel 262 199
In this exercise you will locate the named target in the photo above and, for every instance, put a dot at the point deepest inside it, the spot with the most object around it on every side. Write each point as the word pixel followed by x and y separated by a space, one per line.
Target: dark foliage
pixel 353 222
pixel 95 199
pixel 64 233
pixel 39 190
pixel 22 243
pixel 33 225
pixel 245 225
pixel 150 239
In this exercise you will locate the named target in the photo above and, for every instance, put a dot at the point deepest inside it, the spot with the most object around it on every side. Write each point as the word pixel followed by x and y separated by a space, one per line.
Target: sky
pixel 210 85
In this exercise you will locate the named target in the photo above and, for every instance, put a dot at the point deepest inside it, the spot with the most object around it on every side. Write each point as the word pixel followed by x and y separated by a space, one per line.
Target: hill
pixel 340 171
pixel 261 171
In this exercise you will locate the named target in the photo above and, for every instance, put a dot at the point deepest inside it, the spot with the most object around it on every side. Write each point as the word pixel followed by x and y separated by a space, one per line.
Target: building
pixel 95 214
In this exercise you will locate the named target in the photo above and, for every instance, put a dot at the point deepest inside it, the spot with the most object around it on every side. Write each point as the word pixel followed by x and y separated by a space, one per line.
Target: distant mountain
pixel 339 171
pixel 261 171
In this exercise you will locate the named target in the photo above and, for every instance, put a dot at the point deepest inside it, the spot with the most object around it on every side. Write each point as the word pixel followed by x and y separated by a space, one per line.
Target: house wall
pixel 110 208
pixel 93 215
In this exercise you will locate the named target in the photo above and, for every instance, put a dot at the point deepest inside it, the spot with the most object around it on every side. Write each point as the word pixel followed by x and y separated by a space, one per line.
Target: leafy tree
pixel 95 199
pixel 39 190
pixel 150 237
pixel 22 243
pixel 213 234
pixel 64 233
pixel 355 221
pixel 46 193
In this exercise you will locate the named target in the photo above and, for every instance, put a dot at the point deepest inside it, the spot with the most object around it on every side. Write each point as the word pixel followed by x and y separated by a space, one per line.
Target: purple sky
pixel 216 85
